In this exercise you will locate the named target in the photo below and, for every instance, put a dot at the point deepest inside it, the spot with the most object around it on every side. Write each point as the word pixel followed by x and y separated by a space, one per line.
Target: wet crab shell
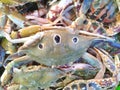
pixel 57 47
pixel 34 77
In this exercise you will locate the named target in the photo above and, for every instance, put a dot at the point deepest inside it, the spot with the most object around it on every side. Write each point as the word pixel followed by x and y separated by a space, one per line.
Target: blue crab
pixel 56 46
pixel 33 77
pixel 27 77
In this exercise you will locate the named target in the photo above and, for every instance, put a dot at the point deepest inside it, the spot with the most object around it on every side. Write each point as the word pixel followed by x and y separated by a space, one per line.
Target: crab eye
pixel 57 38
pixel 40 46
pixel 75 39
pixel 85 22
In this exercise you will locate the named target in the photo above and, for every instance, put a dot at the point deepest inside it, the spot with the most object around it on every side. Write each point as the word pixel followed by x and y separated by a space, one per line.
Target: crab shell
pixel 57 47
pixel 34 77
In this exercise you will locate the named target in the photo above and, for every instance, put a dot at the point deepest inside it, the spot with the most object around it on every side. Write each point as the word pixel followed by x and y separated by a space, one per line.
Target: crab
pixel 54 49
pixel 27 77
pixel 100 83
pixel 42 77
pixel 75 70
pixel 34 77
pixel 53 46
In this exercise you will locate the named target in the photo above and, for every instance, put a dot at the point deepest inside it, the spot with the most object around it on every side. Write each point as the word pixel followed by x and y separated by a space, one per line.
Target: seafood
pixel 38 77
pixel 28 77
pixel 60 44
pixel 91 84
pixel 75 70
pixel 101 83
pixel 59 50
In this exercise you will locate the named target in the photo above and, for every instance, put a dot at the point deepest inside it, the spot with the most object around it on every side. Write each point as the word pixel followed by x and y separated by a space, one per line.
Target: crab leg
pixel 21 40
pixel 23 60
pixel 12 57
pixel 36 76
pixel 88 58
pixel 31 30
pixel 33 39
pixel 80 69
pixel 102 83
pixel 5 78
pixel 7 36
pixel 107 60
pixel 23 31
pixel 93 84
pixel 101 72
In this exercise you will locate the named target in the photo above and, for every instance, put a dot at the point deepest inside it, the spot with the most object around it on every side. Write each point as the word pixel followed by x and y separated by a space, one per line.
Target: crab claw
pixel 7 75
pixel 36 76
pixel 80 69
pixel 12 57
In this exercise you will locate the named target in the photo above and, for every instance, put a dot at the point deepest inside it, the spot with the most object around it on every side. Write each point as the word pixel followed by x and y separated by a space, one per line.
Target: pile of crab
pixel 59 44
